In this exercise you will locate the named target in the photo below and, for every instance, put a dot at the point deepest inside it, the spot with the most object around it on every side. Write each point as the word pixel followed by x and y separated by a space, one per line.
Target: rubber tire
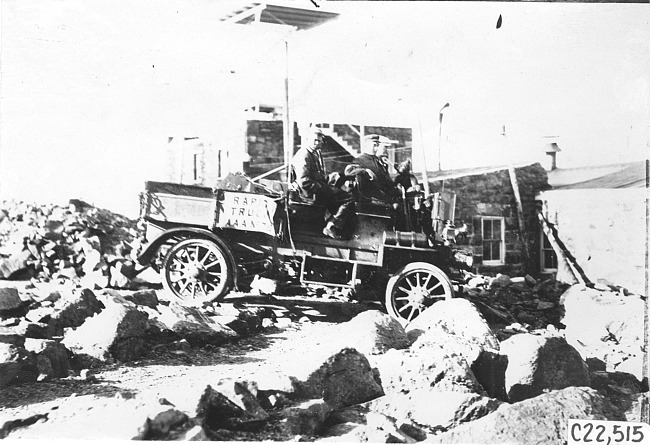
pixel 226 270
pixel 399 279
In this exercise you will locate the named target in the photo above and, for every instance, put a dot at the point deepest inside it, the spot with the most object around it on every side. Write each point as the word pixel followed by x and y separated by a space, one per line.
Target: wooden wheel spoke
pixel 410 317
pixel 406 291
pixel 426 283
pixel 177 279
pixel 435 287
pixel 415 288
pixel 421 278
pixel 184 286
pixel 178 270
pixel 408 280
pixel 205 257
pixel 179 263
pixel 214 263
pixel 197 270
pixel 203 288
pixel 406 306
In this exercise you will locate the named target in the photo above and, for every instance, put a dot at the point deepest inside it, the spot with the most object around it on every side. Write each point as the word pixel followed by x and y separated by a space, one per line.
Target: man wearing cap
pixel 310 180
pixel 371 169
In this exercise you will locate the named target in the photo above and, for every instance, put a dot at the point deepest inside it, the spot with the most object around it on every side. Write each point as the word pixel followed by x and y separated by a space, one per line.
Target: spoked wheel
pixel 197 271
pixel 414 288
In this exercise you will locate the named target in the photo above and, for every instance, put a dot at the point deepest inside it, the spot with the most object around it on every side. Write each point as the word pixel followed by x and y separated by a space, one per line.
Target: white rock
pixel 601 322
pixel 538 363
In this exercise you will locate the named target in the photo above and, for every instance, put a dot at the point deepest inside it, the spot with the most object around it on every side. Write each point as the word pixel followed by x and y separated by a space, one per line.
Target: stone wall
pixel 256 148
pixel 402 135
pixel 605 229
pixel 491 194
pixel 264 144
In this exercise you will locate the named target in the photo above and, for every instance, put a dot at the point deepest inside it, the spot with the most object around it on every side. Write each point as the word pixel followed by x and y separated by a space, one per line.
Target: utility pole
pixel 287 134
pixel 440 135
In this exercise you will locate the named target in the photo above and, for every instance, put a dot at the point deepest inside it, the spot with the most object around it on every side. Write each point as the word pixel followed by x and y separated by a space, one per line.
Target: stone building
pixel 264 145
pixel 256 148
pixel 487 220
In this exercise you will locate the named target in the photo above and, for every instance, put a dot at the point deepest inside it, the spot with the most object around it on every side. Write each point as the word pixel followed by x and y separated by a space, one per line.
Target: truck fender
pixel 184 233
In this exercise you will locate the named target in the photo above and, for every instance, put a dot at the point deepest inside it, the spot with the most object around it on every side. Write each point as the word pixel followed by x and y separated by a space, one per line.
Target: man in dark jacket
pixel 310 181
pixel 371 170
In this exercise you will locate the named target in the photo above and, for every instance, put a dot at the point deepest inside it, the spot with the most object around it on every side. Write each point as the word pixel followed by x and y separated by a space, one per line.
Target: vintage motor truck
pixel 205 240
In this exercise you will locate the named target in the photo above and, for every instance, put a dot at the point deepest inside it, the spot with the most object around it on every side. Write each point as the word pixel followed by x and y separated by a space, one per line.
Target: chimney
pixel 551 150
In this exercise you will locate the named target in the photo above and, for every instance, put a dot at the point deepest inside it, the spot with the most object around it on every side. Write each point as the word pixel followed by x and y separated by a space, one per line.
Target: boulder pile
pixel 509 362
pixel 603 321
pixel 79 242
pixel 447 379
pixel 47 334
pixel 517 304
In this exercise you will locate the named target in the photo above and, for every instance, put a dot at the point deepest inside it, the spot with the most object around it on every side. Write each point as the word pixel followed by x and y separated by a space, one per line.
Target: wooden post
pixel 520 207
pixel 567 265
pixel 645 409
pixel 287 142
pixel 520 213
pixel 425 175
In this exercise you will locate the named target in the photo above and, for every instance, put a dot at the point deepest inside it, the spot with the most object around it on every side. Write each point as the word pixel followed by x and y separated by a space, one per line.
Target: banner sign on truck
pixel 245 211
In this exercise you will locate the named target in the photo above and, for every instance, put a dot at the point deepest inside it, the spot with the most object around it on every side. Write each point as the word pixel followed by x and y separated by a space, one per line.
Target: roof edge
pixel 459 173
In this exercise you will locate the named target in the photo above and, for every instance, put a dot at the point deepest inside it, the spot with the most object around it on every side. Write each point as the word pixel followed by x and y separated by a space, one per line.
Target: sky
pixel 91 91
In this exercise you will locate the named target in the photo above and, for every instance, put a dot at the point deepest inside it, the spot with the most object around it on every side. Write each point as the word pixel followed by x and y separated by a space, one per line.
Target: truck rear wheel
pixel 414 288
pixel 197 271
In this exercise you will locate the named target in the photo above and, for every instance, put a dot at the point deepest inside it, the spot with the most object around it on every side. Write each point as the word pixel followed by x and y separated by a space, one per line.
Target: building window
pixel 548 256
pixel 493 232
pixel 196 167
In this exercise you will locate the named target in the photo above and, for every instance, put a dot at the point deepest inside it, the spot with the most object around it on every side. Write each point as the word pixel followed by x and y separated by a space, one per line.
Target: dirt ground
pixel 176 373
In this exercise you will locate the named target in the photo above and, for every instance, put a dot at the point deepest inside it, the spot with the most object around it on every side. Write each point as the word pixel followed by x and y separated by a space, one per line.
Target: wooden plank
pixel 520 213
pixel 564 258
pixel 182 209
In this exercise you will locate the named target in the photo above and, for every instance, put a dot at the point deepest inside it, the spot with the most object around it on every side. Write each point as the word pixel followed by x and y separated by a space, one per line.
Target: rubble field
pixel 89 351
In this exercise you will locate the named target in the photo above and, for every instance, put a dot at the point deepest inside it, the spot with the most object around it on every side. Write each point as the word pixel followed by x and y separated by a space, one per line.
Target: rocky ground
pixel 178 373
pixel 89 352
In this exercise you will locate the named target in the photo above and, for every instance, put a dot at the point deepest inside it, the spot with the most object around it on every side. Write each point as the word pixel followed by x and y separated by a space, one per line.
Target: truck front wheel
pixel 414 288
pixel 197 271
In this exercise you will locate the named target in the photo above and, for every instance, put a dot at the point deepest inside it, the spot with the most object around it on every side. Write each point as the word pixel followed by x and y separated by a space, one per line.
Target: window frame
pixel 196 170
pixel 542 249
pixel 502 251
